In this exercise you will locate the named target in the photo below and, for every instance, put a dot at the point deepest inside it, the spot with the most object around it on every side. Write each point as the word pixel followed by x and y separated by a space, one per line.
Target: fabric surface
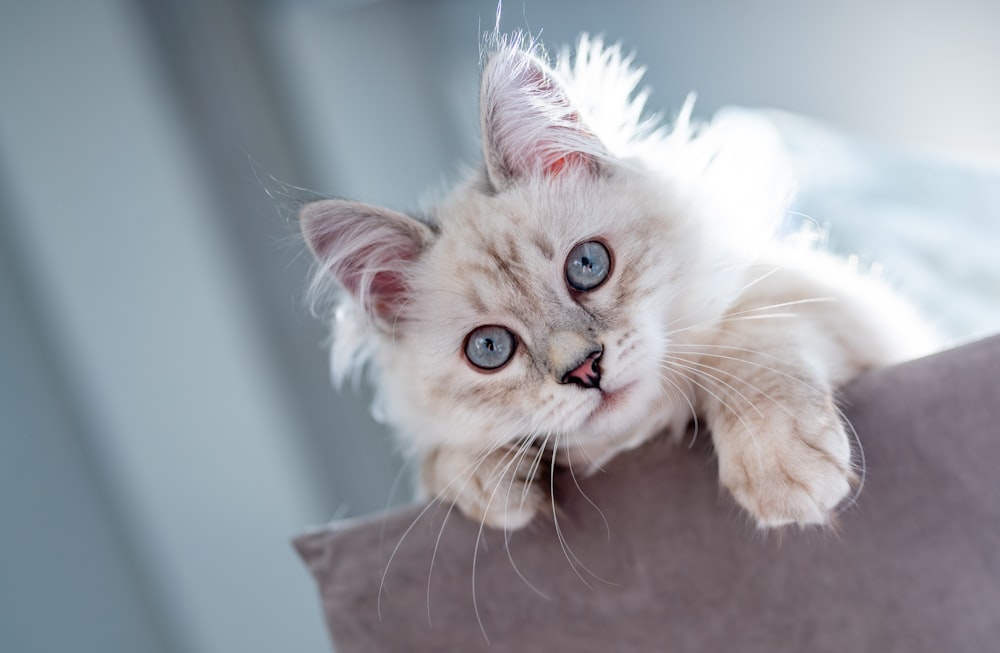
pixel 914 565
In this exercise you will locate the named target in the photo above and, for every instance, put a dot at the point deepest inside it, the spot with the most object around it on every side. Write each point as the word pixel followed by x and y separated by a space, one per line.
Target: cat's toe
pixel 782 499
pixel 497 488
pixel 510 509
pixel 802 481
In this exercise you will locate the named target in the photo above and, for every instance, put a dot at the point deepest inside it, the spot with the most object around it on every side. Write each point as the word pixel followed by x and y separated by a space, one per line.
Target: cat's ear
pixel 529 126
pixel 370 251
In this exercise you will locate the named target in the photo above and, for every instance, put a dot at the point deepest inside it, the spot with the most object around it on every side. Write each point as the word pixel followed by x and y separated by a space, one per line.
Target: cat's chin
pixel 620 419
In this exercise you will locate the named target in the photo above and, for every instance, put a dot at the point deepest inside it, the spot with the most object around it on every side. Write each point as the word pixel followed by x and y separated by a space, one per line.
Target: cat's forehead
pixel 502 255
pixel 497 260
pixel 536 219
pixel 501 258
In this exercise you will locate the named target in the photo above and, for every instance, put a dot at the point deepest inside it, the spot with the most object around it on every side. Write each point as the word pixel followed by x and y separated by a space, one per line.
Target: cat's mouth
pixel 610 423
pixel 612 400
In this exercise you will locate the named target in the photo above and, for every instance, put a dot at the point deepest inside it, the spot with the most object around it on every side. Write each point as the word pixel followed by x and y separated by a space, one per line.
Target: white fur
pixel 705 311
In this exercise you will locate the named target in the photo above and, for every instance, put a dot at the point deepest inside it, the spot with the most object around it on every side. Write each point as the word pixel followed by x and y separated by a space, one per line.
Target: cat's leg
pixel 782 448
pixel 501 487
pixel 765 380
pixel 767 373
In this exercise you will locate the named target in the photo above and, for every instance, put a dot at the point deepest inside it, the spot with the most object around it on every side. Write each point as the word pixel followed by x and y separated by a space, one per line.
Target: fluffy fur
pixel 705 313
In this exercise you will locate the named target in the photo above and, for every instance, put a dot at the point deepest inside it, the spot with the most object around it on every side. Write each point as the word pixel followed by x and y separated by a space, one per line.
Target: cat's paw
pixel 490 488
pixel 789 468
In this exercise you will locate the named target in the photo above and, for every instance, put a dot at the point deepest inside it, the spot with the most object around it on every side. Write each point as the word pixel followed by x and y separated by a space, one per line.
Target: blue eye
pixel 588 265
pixel 490 347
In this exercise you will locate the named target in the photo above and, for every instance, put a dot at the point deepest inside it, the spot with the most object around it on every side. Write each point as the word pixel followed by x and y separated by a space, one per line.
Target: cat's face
pixel 525 287
pixel 538 299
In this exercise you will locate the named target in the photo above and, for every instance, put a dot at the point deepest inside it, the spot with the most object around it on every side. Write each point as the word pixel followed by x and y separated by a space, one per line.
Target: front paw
pixel 500 488
pixel 788 468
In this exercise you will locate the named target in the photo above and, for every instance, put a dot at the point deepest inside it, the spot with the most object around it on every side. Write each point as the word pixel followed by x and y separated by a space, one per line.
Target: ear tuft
pixel 529 126
pixel 370 251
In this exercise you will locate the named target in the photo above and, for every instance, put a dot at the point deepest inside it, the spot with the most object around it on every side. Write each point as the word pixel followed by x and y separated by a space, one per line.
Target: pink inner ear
pixel 569 160
pixel 386 291
pixel 377 262
pixel 366 249
pixel 374 275
pixel 531 126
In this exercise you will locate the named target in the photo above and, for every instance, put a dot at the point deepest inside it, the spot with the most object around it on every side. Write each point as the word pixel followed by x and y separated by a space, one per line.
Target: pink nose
pixel 587 374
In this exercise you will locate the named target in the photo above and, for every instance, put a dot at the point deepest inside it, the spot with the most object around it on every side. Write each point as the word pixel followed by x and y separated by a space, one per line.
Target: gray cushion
pixel 914 565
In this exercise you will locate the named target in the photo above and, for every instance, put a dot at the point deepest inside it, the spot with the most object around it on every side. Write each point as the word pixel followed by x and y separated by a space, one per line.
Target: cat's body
pixel 597 283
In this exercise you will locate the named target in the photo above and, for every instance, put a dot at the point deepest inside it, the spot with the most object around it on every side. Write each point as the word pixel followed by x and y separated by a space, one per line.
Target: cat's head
pixel 540 296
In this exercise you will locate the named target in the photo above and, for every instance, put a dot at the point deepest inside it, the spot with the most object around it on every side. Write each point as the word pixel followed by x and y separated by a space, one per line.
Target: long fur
pixel 706 312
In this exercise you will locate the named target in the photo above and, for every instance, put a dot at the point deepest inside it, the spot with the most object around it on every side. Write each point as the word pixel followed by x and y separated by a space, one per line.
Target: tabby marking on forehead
pixel 543 246
pixel 476 300
pixel 507 263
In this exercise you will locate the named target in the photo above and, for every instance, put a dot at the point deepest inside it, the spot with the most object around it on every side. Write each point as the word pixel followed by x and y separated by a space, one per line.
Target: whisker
pixel 693 366
pixel 768 368
pixel 684 395
pixel 705 345
pixel 592 465
pixel 507 533
pixel 533 468
pixel 738 415
pixel 572 473
pixel 796 302
pixel 392 492
pixel 475 557
pixel 768 316
pixel 567 550
pixel 444 522
pixel 432 502
pixel 475 552
pixel 862 463
pixel 734 317
pixel 759 279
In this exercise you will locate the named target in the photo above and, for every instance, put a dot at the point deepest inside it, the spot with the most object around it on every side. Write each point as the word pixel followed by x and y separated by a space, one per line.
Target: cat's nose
pixel 586 374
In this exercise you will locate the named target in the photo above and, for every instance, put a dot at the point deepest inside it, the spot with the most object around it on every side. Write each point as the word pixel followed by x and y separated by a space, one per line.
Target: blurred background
pixel 166 419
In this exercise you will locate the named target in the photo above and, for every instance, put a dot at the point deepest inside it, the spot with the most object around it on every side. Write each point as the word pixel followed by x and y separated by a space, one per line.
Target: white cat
pixel 598 281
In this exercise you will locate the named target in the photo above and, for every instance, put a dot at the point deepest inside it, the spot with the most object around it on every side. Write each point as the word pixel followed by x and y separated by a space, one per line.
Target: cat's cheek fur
pixel 435 398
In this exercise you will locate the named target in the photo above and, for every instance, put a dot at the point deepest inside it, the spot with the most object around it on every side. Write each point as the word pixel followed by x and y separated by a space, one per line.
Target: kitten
pixel 598 281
